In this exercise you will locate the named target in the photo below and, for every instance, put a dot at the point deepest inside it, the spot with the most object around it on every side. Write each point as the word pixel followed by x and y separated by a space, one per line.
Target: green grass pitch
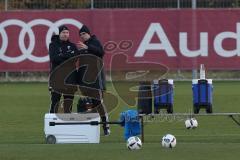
pixel 23 106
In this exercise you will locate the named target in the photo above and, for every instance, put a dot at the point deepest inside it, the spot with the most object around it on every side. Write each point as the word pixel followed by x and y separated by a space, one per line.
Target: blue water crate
pixel 163 95
pixel 202 95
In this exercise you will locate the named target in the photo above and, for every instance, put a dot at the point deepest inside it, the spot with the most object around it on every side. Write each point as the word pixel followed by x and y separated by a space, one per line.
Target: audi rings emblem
pixel 26 28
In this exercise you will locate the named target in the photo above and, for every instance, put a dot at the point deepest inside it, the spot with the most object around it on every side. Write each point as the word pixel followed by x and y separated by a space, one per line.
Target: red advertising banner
pixel 177 39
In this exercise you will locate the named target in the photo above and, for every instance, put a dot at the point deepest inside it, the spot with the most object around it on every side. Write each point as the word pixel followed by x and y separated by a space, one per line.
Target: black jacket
pixel 94 48
pixel 60 51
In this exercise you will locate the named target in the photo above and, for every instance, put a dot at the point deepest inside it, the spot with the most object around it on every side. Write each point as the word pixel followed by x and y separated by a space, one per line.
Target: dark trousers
pixel 55 102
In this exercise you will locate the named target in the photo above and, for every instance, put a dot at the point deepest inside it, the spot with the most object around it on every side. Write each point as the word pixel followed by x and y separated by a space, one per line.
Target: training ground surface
pixel 23 106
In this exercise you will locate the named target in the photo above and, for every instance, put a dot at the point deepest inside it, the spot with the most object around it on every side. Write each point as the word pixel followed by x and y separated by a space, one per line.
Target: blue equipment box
pixel 163 95
pixel 202 94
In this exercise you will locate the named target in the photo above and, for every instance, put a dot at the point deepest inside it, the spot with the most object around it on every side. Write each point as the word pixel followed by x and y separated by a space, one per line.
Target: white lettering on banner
pixel 146 45
pixel 225 35
pixel 183 43
pixel 202 51
pixel 26 28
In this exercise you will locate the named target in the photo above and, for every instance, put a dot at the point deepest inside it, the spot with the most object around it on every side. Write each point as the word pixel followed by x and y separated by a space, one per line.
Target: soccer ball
pixel 194 123
pixel 191 123
pixel 169 141
pixel 134 143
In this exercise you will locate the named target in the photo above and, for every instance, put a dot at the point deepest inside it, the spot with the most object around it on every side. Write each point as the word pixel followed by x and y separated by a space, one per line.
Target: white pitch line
pixel 155 135
pixel 192 114
pixel 222 135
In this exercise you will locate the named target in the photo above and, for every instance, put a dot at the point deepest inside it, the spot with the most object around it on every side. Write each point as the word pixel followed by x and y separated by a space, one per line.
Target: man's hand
pixel 81 45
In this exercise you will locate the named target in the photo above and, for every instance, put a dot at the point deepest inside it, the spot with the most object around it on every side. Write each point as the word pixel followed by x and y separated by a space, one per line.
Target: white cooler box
pixel 61 128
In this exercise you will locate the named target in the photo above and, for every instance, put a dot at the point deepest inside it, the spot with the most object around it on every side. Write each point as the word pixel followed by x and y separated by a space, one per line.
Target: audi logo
pixel 26 29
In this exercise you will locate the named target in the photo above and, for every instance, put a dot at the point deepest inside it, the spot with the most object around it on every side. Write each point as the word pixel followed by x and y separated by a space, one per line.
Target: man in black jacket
pixel 60 50
pixel 91 46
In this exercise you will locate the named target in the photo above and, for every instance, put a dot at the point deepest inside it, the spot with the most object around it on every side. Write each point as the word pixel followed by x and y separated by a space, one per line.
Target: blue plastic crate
pixel 202 95
pixel 202 92
pixel 162 93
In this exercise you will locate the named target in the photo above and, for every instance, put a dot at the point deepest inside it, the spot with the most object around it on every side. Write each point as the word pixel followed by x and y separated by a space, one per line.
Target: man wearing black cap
pixel 91 46
pixel 60 50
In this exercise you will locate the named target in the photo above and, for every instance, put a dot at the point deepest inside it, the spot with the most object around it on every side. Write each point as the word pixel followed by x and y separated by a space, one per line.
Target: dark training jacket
pixel 94 48
pixel 60 51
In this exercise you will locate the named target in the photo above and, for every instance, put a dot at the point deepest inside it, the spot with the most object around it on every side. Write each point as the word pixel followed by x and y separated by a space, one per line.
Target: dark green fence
pixel 91 4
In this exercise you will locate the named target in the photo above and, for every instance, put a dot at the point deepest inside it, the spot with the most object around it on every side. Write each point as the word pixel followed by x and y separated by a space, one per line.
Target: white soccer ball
pixel 134 143
pixel 194 123
pixel 191 123
pixel 188 124
pixel 169 141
